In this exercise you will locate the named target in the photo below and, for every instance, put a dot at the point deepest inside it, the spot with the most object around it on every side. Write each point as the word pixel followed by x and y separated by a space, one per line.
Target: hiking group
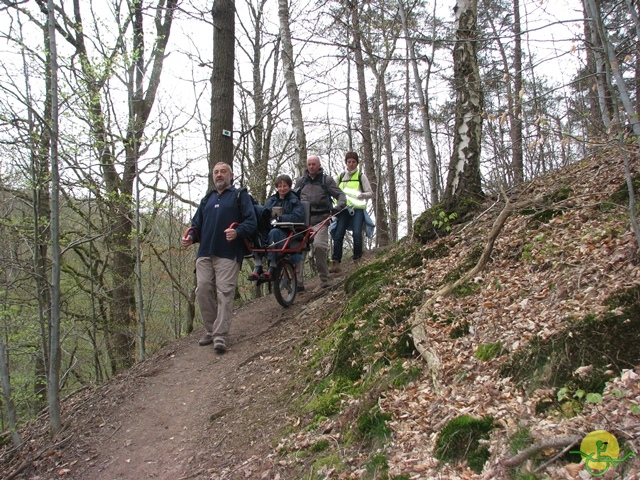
pixel 226 217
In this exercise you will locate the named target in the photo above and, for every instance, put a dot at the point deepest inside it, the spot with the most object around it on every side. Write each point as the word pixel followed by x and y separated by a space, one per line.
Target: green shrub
pixel 372 425
pixel 319 446
pixel 489 351
pixel 376 465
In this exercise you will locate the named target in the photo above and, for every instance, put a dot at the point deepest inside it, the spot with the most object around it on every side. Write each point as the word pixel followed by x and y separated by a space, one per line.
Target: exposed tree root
pixel 418 332
pixel 527 453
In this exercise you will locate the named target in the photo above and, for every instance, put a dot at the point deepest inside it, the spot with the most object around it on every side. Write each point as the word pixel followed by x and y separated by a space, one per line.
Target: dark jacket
pixel 214 215
pixel 291 206
pixel 319 194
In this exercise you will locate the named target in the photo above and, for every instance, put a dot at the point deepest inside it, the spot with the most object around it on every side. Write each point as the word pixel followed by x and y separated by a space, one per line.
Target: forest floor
pixel 186 412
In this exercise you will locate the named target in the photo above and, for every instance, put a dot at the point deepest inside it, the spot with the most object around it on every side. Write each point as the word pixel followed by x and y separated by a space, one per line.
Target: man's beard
pixel 222 185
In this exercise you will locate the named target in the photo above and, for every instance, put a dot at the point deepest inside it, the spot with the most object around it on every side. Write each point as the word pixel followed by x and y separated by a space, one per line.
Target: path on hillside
pixel 187 412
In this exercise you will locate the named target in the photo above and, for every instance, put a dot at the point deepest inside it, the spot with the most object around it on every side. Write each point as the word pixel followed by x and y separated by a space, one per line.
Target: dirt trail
pixel 187 412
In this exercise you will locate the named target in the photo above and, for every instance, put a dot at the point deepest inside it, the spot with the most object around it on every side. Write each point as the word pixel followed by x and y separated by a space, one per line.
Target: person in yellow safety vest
pixel 357 189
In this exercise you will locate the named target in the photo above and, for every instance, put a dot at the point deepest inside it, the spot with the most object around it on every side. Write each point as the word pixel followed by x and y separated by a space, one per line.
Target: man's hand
pixel 186 241
pixel 335 210
pixel 230 234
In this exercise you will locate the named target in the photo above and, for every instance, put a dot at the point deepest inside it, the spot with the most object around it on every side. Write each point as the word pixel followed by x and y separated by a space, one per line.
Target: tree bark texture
pixel 517 161
pixel 464 179
pixel 423 105
pixel 222 84
pixel 382 226
pixel 293 94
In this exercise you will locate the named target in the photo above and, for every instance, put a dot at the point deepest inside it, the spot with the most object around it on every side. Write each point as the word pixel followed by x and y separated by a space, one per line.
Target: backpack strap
pixel 239 196
pixel 341 176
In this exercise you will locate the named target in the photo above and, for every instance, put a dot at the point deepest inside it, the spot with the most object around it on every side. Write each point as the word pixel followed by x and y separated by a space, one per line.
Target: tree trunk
pixel 514 94
pixel 517 160
pixel 407 148
pixel 40 143
pixel 391 169
pixel 121 330
pixel 5 381
pixel 464 179
pixel 595 125
pixel 614 66
pixel 379 56
pixel 595 46
pixel 293 94
pixel 423 105
pixel 53 386
pixel 222 84
pixel 382 226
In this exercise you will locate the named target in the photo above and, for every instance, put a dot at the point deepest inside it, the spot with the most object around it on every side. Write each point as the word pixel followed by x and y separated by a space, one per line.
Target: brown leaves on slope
pixel 541 274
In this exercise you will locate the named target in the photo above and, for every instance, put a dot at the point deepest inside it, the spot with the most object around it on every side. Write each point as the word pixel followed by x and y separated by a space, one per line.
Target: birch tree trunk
pixel 293 94
pixel 464 179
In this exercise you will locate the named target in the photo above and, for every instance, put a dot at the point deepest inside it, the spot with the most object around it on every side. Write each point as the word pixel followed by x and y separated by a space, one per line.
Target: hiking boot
pixel 255 275
pixel 300 289
pixel 268 276
pixel 219 345
pixel 335 266
pixel 206 340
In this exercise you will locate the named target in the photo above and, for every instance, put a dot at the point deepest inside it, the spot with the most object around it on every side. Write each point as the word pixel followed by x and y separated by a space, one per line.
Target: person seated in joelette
pixel 285 206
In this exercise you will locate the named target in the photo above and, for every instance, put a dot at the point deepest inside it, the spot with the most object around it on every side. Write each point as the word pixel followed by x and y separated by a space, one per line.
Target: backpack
pixel 263 216
pixel 305 181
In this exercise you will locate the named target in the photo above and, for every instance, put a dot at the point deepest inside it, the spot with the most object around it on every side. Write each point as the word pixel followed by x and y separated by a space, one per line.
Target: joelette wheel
pixel 285 284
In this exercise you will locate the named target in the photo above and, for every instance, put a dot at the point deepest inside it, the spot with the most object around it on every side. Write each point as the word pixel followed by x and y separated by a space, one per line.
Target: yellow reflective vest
pixel 352 188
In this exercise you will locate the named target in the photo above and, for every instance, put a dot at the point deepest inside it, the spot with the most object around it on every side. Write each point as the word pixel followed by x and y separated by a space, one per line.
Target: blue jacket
pixel 291 206
pixel 214 215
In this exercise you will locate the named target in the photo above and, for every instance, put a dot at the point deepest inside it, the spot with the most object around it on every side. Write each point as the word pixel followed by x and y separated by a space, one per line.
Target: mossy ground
pixel 459 440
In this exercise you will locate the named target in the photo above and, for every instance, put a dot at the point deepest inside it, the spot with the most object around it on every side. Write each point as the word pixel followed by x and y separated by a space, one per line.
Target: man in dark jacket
pixel 221 252
pixel 319 189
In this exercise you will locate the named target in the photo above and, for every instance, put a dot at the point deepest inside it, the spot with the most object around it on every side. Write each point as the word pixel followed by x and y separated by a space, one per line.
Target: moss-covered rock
pixel 438 221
